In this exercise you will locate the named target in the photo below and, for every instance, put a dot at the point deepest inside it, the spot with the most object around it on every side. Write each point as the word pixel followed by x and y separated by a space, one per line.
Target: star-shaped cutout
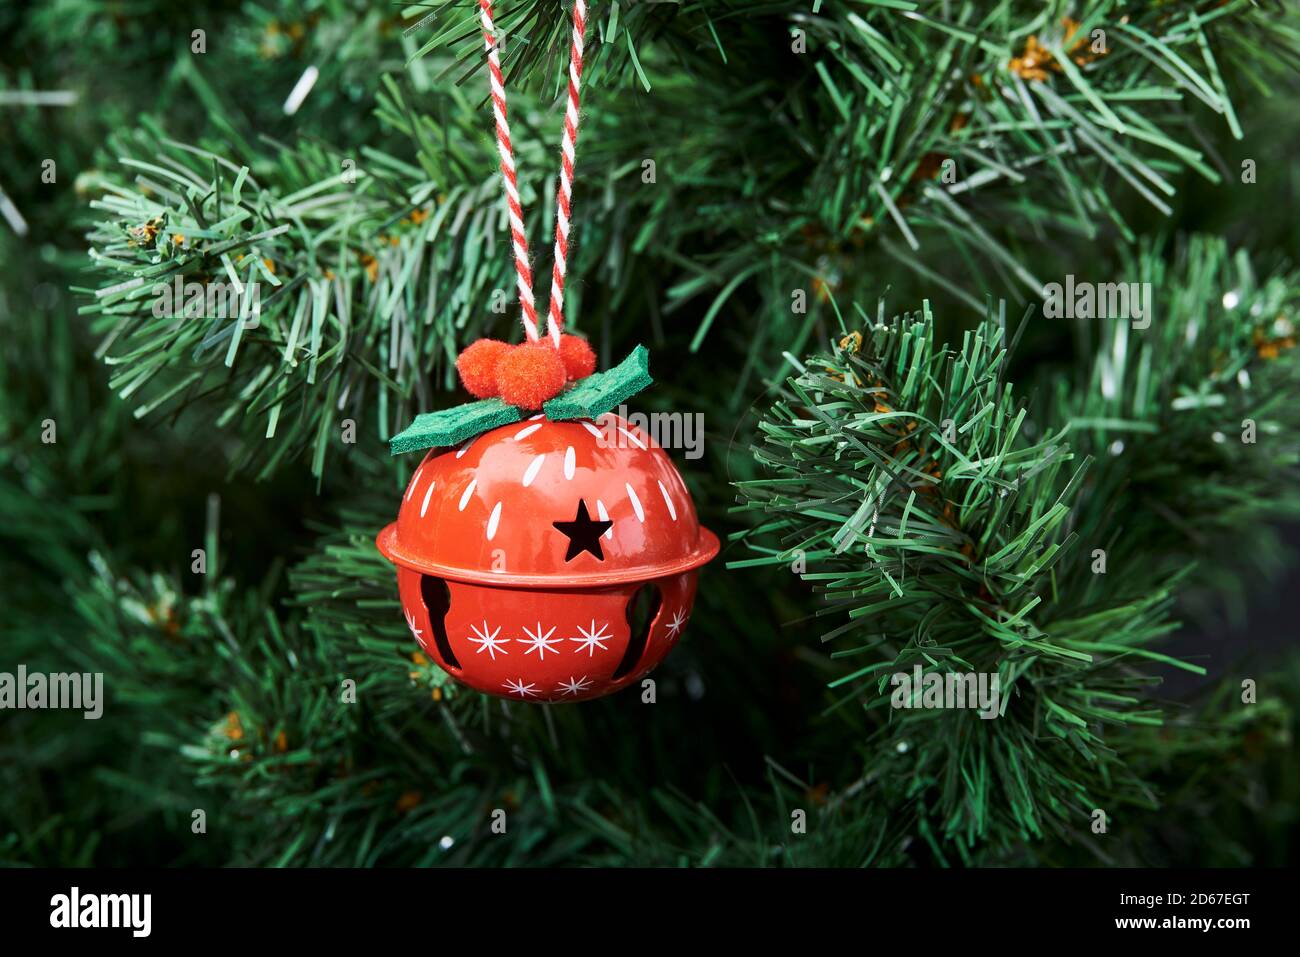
pixel 584 534
pixel 538 642
pixel 574 685
pixel 592 639
pixel 488 641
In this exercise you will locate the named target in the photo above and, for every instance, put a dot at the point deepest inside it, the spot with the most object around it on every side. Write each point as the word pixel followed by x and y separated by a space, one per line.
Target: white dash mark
pixel 569 462
pixel 636 503
pixel 414 482
pixel 668 501
pixel 493 521
pixel 635 441
pixel 527 431
pixel 465 448
pixel 469 490
pixel 424 506
pixel 534 418
pixel 604 517
pixel 592 429
pixel 533 468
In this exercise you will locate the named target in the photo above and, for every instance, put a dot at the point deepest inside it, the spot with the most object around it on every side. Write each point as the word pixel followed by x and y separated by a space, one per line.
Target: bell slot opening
pixel 642 610
pixel 437 602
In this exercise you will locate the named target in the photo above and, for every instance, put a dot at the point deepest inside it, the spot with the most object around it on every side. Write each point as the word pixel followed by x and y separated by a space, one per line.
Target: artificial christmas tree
pixel 834 224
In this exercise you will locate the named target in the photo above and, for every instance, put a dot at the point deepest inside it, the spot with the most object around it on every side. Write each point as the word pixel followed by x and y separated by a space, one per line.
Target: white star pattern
pixel 593 639
pixel 489 642
pixel 676 623
pixel 539 643
pixel 410 623
pixel 573 686
pixel 518 687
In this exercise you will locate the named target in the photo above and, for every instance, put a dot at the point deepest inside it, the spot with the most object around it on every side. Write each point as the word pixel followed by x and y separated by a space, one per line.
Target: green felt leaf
pixel 603 391
pixel 452 426
pixel 593 396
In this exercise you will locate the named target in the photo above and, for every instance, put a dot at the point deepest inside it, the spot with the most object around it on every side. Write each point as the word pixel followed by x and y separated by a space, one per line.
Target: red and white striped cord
pixel 564 196
pixel 519 239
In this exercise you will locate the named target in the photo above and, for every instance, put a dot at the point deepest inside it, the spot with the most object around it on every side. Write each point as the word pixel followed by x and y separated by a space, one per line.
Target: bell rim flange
pixel 706 550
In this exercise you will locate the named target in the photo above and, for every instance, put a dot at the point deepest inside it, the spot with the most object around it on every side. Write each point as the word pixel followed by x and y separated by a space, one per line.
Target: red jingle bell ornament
pixel 525 556
pixel 553 559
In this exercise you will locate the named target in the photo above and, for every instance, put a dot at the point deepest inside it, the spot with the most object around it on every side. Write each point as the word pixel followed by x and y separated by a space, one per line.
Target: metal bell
pixel 548 561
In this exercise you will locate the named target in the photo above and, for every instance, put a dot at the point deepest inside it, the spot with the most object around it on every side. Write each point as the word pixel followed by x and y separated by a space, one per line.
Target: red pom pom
pixel 529 374
pixel 477 366
pixel 579 359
